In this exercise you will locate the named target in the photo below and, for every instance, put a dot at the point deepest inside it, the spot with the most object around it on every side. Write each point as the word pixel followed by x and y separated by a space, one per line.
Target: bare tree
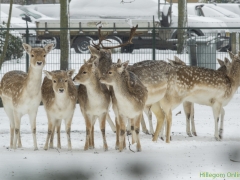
pixel 7 35
pixel 64 34
pixel 181 24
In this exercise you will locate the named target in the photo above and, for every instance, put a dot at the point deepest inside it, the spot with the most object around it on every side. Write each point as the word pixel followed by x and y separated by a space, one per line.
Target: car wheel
pixel 81 44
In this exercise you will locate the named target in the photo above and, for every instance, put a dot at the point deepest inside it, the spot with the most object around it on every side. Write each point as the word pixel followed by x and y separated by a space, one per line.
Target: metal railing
pixel 200 49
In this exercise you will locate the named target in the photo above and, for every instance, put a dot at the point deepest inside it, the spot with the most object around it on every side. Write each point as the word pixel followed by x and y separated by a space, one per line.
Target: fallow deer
pixel 59 96
pixel 153 74
pixel 131 96
pixel 21 93
pixel 94 100
pixel 203 86
pixel 188 107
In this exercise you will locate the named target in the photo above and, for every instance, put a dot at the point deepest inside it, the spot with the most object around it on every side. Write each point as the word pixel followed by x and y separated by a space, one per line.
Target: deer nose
pixel 61 90
pixel 39 63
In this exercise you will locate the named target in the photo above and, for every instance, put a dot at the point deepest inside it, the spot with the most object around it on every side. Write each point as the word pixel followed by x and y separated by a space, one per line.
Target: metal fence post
pixel 154 42
pixel 27 41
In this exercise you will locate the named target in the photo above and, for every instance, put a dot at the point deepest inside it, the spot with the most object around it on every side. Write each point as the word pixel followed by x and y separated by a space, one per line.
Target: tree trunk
pixel 7 36
pixel 64 35
pixel 181 24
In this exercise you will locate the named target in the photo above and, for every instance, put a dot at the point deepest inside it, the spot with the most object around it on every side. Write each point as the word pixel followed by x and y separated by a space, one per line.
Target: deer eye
pixel 44 55
pixel 109 72
pixel 54 81
pixel 84 72
pixel 32 55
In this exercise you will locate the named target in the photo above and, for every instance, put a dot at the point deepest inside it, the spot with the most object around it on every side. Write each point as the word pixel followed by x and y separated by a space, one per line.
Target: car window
pixel 209 12
pixel 29 13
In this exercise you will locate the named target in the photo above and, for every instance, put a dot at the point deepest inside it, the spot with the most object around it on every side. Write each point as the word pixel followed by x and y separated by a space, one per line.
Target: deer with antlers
pixel 153 74
pixel 21 93
pixel 203 86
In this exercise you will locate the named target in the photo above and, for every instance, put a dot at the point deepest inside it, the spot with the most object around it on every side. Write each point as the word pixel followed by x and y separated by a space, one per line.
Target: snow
pixel 184 158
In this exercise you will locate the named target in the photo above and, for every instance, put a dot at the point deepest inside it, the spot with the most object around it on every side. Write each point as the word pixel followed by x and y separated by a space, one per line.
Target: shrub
pixel 14 49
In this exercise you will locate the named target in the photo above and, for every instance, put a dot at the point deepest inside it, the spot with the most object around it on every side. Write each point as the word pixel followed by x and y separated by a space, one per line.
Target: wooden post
pixel 233 37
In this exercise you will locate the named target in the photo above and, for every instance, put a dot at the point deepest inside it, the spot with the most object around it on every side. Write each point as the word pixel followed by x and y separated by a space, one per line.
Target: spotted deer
pixel 188 107
pixel 153 74
pixel 59 96
pixel 131 96
pixel 203 86
pixel 94 100
pixel 21 93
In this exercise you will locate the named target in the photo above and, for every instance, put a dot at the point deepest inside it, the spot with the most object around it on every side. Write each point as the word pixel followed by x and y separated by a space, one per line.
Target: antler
pixel 102 38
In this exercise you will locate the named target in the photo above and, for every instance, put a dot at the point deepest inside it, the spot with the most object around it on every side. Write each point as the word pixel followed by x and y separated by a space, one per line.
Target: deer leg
pixel 187 110
pixel 17 122
pixel 110 122
pixel 169 125
pixel 50 130
pixel 88 131
pixel 68 124
pixel 157 110
pixel 122 133
pixel 32 117
pixel 129 127
pixel 59 134
pixel 162 130
pixel 102 122
pixel 137 128
pixel 144 128
pixel 19 140
pixel 222 123
pixel 148 112
pixel 117 133
pixel 192 120
pixel 91 140
pixel 133 131
pixel 216 113
pixel 10 115
pixel 52 136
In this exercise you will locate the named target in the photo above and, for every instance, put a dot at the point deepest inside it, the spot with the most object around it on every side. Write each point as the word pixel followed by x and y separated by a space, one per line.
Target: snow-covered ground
pixel 184 158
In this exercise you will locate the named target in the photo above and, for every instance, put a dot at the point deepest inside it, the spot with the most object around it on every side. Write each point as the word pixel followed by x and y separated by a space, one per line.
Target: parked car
pixel 212 11
pixel 235 8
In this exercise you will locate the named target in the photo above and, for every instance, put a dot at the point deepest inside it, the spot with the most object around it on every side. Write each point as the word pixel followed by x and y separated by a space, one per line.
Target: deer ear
pixel 48 47
pixel 70 72
pixel 119 61
pixel 122 67
pixel 171 62
pixel 94 51
pixel 179 60
pixel 220 62
pixel 232 56
pixel 227 62
pixel 27 48
pixel 85 61
pixel 48 74
pixel 95 64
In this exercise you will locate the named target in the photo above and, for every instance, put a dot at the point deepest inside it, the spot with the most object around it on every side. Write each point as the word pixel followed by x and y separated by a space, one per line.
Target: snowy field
pixel 184 158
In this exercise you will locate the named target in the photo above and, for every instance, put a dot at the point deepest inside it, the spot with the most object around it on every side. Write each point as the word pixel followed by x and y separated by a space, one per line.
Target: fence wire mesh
pixel 198 49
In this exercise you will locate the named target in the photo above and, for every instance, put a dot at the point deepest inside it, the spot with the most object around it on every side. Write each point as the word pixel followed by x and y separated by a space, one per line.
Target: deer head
pixel 114 73
pixel 37 55
pixel 86 72
pixel 60 79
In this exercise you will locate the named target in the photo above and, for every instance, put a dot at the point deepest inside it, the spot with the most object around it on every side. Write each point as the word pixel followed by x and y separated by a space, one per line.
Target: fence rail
pixel 202 46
